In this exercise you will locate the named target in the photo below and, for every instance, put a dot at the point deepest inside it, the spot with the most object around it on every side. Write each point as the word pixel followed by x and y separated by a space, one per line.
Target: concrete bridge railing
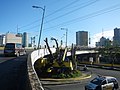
pixel 35 83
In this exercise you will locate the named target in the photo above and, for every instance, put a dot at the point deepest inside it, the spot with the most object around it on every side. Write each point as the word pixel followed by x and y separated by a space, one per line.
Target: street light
pixel 41 22
pixel 66 34
pixel 61 39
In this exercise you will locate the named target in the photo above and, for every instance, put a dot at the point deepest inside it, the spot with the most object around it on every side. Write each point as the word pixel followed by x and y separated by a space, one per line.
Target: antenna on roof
pixel 17 29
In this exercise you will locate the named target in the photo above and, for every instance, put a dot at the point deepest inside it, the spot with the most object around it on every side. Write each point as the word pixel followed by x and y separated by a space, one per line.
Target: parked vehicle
pixel 15 49
pixel 103 83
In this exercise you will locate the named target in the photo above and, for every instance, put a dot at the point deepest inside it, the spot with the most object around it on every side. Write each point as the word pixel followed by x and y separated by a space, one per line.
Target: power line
pixel 91 15
pixel 94 14
pixel 29 24
pixel 31 28
pixel 50 14
pixel 72 11
pixel 86 4
pixel 60 9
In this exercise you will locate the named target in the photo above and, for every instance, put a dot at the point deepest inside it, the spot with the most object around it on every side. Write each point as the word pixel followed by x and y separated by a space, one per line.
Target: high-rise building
pixel 82 38
pixel 116 38
pixel 25 39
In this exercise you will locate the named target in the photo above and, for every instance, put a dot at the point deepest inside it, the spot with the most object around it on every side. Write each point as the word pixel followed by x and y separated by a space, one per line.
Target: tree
pixel 110 53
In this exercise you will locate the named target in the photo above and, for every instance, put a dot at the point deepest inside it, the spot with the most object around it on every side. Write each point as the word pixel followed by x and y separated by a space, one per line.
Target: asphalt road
pixel 3 58
pixel 105 72
pixel 13 73
pixel 80 86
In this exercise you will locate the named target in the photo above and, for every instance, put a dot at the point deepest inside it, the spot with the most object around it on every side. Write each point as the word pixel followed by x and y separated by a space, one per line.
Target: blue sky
pixel 93 16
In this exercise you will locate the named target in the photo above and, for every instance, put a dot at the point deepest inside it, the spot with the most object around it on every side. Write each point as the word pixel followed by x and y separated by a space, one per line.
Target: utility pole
pixel 66 34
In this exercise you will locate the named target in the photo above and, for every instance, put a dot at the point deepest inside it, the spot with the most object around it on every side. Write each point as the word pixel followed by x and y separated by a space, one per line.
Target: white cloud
pixel 96 37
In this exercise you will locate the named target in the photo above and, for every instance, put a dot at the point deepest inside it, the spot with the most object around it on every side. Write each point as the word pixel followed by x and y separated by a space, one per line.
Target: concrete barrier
pixel 33 78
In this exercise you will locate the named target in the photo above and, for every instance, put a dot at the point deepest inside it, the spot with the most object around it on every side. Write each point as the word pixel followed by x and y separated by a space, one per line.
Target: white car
pixel 103 83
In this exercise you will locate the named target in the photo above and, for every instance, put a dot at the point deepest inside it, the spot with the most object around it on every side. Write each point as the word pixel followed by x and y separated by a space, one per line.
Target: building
pixel 82 38
pixel 25 39
pixel 19 34
pixel 33 41
pixel 103 42
pixel 2 40
pixel 116 38
pixel 13 38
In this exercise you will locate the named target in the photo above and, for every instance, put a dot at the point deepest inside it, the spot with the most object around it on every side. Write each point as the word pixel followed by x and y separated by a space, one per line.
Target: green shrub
pixel 70 74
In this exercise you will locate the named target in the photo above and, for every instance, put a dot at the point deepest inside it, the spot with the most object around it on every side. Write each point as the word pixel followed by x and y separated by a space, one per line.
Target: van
pixel 14 49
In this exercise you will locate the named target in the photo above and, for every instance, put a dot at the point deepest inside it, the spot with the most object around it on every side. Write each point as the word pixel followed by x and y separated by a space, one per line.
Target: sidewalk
pixel 103 66
pixel 50 81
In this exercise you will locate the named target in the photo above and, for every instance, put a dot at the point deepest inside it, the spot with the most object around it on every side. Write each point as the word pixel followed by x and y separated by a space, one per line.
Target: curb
pixel 102 67
pixel 50 81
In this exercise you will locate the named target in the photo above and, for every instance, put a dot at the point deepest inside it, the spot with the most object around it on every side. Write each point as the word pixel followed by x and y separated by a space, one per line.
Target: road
pixel 3 58
pixel 80 86
pixel 13 73
pixel 106 73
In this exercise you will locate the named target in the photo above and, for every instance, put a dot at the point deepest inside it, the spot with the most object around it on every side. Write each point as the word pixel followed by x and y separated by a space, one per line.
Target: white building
pixel 13 38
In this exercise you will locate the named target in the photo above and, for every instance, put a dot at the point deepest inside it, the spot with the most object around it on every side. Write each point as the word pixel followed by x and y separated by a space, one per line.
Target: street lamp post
pixel 41 23
pixel 61 42
pixel 66 34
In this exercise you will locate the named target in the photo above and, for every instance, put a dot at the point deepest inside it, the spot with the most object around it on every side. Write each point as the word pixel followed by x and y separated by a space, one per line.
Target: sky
pixel 98 17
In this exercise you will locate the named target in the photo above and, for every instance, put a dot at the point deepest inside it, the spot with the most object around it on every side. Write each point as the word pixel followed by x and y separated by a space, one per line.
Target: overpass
pixel 35 55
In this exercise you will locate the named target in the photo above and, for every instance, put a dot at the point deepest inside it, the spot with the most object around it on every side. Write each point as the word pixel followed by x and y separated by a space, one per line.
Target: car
pixel 15 49
pixel 103 83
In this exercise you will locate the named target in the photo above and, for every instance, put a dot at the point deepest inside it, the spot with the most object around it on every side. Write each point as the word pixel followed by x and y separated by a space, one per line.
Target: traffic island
pixel 52 81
